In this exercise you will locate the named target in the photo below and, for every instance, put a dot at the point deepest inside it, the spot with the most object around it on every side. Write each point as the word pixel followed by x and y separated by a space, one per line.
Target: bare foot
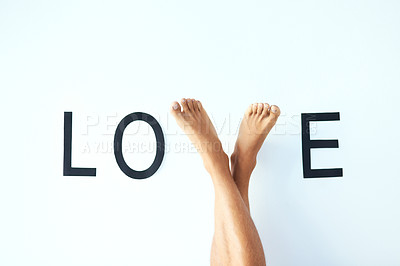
pixel 194 121
pixel 257 122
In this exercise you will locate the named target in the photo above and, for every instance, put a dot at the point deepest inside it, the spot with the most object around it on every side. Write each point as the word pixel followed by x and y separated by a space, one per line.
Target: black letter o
pixel 119 132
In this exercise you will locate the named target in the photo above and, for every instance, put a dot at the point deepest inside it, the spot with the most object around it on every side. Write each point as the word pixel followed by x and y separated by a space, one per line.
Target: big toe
pixel 176 108
pixel 275 112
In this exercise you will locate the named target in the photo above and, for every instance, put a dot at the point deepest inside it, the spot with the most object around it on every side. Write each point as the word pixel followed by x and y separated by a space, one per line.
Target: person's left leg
pixel 257 122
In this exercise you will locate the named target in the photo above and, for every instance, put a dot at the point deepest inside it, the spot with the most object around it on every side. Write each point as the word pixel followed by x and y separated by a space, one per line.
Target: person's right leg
pixel 257 122
pixel 236 238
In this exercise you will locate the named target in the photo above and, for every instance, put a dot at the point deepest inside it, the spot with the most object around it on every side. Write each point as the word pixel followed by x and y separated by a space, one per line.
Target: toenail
pixel 175 106
pixel 183 100
pixel 274 110
pixel 260 105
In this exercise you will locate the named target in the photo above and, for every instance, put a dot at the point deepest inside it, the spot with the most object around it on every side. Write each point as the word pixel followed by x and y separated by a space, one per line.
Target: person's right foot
pixel 194 121
pixel 257 122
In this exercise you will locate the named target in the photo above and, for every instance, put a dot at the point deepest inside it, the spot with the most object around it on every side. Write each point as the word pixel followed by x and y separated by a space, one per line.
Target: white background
pixel 105 59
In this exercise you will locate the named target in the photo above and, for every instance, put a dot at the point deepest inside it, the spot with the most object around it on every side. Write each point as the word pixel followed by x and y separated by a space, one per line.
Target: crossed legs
pixel 236 240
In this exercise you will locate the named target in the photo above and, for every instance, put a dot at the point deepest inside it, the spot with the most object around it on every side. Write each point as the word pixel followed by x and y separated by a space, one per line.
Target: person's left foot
pixel 257 122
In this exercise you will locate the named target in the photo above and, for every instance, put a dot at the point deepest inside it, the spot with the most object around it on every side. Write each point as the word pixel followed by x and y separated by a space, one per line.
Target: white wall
pixel 111 58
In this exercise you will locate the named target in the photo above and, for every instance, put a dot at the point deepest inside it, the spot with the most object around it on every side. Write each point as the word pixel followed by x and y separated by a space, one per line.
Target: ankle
pixel 243 161
pixel 216 162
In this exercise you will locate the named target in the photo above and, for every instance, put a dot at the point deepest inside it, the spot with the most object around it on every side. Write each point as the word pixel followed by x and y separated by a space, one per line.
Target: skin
pixel 236 240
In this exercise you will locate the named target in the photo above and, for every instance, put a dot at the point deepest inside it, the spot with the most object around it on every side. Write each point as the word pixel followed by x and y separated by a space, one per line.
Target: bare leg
pixel 257 122
pixel 236 238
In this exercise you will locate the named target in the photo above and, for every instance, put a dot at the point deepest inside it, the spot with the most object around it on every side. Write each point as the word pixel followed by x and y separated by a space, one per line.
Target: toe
pixel 254 108
pixel 260 108
pixel 195 107
pixel 175 108
pixel 190 104
pixel 275 111
pixel 249 110
pixel 265 110
pixel 184 105
pixel 199 105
